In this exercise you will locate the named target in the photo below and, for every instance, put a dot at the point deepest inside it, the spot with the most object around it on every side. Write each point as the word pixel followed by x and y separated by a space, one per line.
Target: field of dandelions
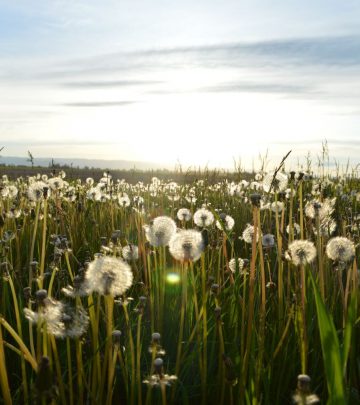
pixel 239 292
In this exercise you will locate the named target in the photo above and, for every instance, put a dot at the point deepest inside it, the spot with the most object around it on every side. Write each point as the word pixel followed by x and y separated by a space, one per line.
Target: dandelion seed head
pixel 275 184
pixel 203 217
pixel 187 245
pixel 296 228
pixel 56 183
pixel 340 249
pixel 227 222
pixel 248 234
pixel 130 252
pixel 108 275
pixel 241 265
pixel 160 231
pixel 268 240
pixel 124 200
pixel 301 252
pixel 277 206
pixel 184 214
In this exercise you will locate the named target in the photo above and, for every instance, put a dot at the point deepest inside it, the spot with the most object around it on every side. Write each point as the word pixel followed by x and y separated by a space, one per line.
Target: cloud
pixel 98 103
pixel 258 87
pixel 109 83
pixel 336 53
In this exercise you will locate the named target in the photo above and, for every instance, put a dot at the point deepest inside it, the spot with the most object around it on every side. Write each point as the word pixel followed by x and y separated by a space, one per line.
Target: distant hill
pixel 81 163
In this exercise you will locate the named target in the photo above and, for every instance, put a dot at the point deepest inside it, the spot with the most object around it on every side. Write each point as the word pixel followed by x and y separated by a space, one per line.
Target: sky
pixel 210 82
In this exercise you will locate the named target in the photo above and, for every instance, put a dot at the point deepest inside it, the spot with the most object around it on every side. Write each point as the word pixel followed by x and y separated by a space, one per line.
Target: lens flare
pixel 173 278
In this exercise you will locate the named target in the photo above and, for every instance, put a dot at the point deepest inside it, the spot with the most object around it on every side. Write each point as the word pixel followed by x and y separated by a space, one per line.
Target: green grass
pixel 239 338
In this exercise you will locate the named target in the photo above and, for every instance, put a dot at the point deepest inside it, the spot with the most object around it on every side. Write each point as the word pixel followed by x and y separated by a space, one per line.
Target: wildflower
pixel 79 289
pixel 12 191
pixel 242 264
pixel 301 252
pixel 35 192
pixel 187 245
pixel 56 183
pixel 303 395
pixel 226 222
pixel 124 200
pixel 277 206
pixel 59 319
pixel 268 240
pixel 327 226
pixel 203 217
pixel 340 249
pixel 160 231
pixel 296 228
pixel 130 252
pixel 323 209
pixel 94 194
pixel 184 214
pixel 248 234
pixel 155 346
pixel 108 275
pixel 275 182
pixel 159 378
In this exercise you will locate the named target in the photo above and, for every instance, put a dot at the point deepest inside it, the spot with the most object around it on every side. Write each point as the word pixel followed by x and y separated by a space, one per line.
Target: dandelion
pixel 203 217
pixel 12 191
pixel 124 200
pixel 248 234
pixel 268 240
pixel 301 252
pixel 184 214
pixel 275 183
pixel 187 245
pixel 160 231
pixel 242 264
pixel 327 226
pixel 94 194
pixel 56 183
pixel 159 379
pixel 277 206
pixel 296 227
pixel 35 192
pixel 59 319
pixel 108 275
pixel 323 209
pixel 130 252
pixel 340 249
pixel 79 289
pixel 226 222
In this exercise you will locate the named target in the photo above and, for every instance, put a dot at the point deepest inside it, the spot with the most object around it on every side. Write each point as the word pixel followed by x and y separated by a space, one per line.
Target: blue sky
pixel 168 81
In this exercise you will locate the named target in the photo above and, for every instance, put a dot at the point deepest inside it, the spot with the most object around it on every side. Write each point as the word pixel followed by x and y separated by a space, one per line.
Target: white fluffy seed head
pixel 187 245
pixel 275 184
pixel 248 234
pixel 340 249
pixel 130 252
pixel 226 223
pixel 108 275
pixel 160 231
pixel 301 252
pixel 203 217
pixel 184 214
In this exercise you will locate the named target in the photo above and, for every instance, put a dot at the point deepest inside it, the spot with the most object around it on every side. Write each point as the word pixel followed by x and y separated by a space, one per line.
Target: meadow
pixel 209 290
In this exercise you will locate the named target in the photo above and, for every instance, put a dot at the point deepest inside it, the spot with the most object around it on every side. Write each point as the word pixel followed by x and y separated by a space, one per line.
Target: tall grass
pixel 229 337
